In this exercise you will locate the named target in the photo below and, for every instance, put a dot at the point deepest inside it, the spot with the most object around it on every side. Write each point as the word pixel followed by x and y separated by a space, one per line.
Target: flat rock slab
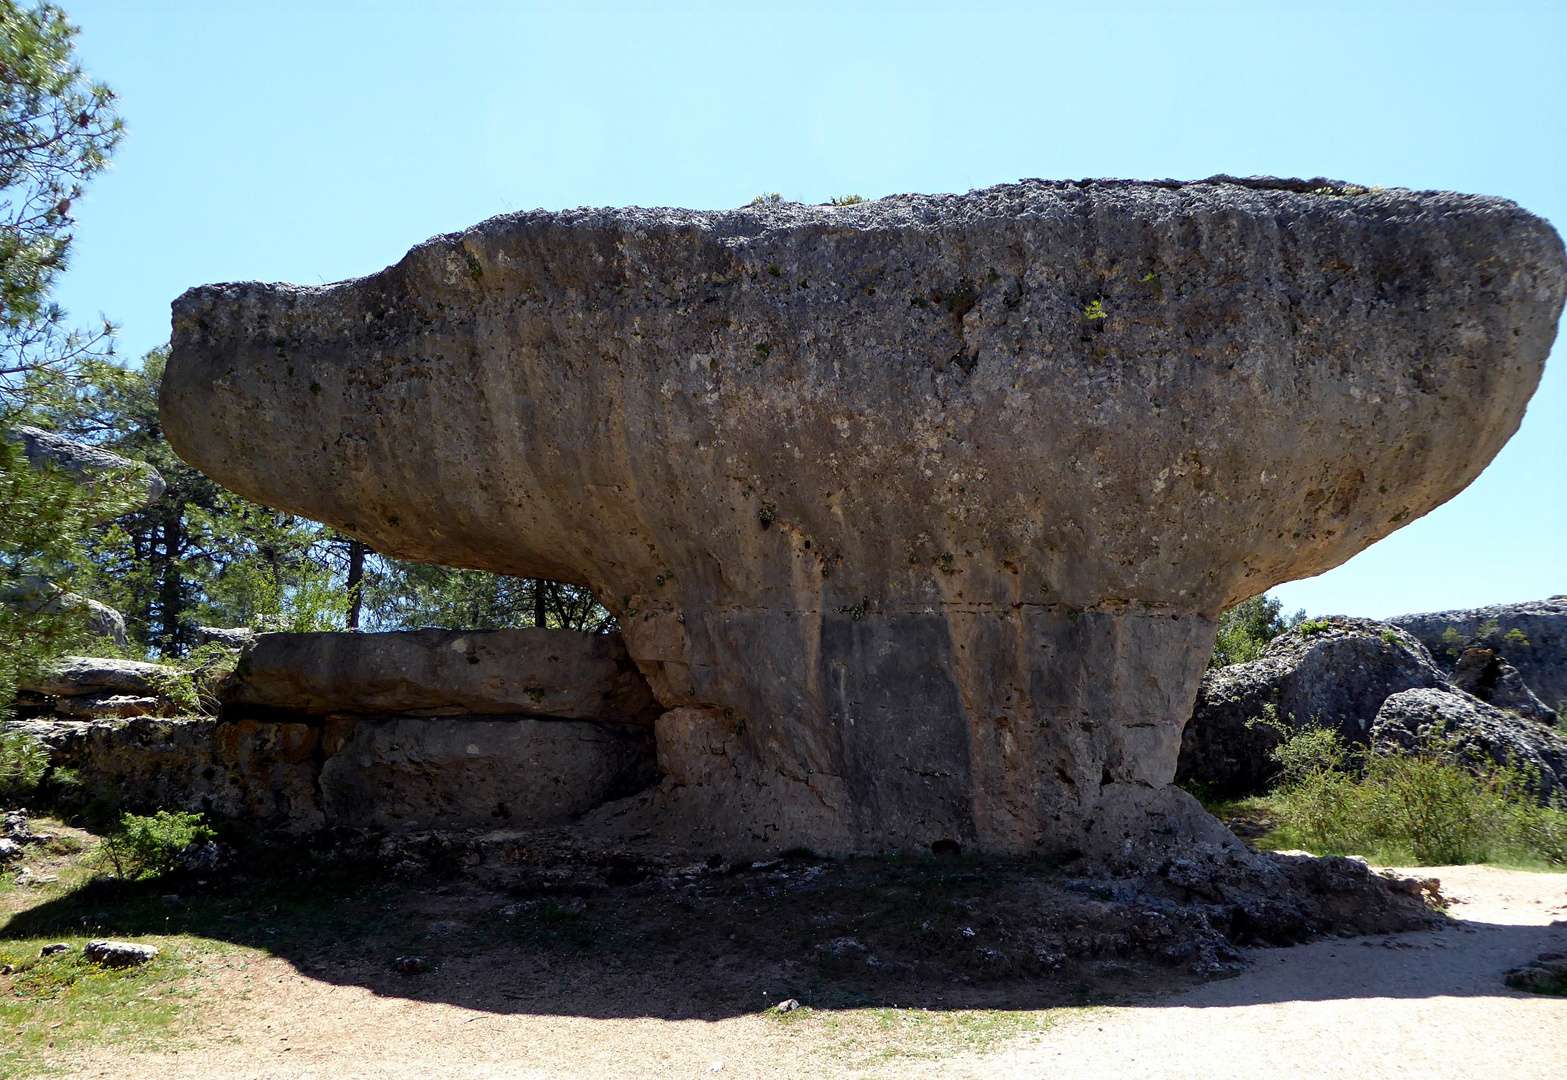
pixel 558 673
pixel 932 500
pixel 102 676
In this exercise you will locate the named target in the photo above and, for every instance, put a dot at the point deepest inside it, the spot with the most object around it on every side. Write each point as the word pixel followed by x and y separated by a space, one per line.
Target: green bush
pixel 23 762
pixel 148 846
pixel 1429 807
pixel 1246 629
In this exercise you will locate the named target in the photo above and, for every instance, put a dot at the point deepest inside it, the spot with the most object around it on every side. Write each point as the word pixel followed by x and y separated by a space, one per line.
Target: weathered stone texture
pixel 875 484
pixel 1538 650
pixel 1480 732
pixel 73 676
pixel 83 460
pixel 558 673
pixel 416 772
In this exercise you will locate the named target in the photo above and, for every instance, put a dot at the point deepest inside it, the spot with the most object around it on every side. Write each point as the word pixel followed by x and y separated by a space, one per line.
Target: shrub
pixel 1429 806
pixel 23 762
pixel 149 846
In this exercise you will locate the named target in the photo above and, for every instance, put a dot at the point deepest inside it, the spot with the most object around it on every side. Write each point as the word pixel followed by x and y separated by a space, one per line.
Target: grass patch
pixel 863 1037
pixel 50 1005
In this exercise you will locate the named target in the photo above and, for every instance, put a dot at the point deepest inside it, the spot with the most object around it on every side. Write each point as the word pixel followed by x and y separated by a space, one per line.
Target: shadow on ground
pixel 618 935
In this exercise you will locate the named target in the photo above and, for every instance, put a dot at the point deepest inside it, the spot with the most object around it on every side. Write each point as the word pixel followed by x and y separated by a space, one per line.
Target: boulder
pixel 83 460
pixel 1531 636
pixel 933 500
pixel 457 772
pixel 102 676
pixel 558 673
pixel 33 594
pixel 1485 674
pixel 1335 672
pixel 1480 733
pixel 117 954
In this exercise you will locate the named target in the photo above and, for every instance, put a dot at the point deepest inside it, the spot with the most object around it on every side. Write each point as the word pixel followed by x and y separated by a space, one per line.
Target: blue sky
pixel 310 142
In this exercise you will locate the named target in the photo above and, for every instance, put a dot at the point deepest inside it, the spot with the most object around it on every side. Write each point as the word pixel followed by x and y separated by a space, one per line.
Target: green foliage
pixel 1453 643
pixel 1428 807
pixel 1246 629
pixel 1516 639
pixel 1095 312
pixel 848 200
pixel 57 130
pixel 1390 637
pixel 766 198
pixel 404 595
pixel 48 514
pixel 152 845
pixel 1313 626
pixel 23 762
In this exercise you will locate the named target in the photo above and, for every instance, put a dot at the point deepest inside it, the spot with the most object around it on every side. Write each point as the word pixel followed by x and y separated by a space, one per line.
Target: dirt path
pixel 1429 1004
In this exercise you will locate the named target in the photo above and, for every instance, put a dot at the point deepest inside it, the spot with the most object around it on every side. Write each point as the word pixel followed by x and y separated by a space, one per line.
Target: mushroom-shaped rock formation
pixel 917 514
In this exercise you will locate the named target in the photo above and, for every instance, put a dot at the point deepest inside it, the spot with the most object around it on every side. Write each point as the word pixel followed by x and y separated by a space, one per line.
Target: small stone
pixel 57 947
pixel 788 1005
pixel 410 965
pixel 9 849
pixel 119 953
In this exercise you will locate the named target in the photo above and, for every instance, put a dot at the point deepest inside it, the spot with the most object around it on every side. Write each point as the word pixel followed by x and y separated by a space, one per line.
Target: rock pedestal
pixel 916 514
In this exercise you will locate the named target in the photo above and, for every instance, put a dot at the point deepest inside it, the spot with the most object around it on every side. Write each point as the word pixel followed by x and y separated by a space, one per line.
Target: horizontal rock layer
pixel 557 673
pixel 397 773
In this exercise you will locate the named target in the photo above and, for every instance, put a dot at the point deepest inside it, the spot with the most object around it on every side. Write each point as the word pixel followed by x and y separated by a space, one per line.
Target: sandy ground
pixel 1424 1004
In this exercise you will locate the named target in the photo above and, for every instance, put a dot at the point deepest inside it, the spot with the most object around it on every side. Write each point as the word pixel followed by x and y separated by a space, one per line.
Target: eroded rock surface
pixel 413 772
pixel 1532 636
pixel 1479 732
pixel 558 673
pixel 925 506
pixel 1337 673
pixel 72 675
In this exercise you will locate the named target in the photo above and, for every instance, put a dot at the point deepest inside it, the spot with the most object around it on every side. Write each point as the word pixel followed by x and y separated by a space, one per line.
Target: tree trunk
pixel 538 604
pixel 356 578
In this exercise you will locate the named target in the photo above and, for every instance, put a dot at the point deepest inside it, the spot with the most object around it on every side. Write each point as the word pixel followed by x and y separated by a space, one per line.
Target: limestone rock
pixel 235 637
pixel 83 460
pixel 88 707
pixel 260 773
pixel 74 676
pixel 1546 974
pixel 119 953
pixel 1337 674
pixel 933 499
pixel 1532 636
pixel 34 594
pixel 559 673
pixel 418 772
pixel 1482 733
pixel 1487 675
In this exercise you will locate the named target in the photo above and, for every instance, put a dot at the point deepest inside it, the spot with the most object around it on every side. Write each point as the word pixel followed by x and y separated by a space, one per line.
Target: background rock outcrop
pixel 924 507
pixel 1377 686
pixel 1531 636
